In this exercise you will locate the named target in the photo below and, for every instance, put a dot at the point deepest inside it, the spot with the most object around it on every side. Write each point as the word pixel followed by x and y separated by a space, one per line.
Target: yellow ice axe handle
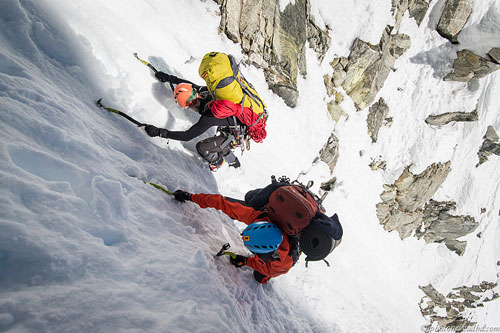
pixel 231 254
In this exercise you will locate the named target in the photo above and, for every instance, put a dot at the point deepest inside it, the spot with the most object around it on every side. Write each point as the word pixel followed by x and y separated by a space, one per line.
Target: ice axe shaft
pixel 151 67
pixel 118 112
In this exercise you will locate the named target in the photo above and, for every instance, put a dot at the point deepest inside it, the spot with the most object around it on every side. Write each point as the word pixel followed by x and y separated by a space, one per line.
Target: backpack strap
pixel 249 93
pixel 246 91
pixel 255 123
pixel 294 251
pixel 307 262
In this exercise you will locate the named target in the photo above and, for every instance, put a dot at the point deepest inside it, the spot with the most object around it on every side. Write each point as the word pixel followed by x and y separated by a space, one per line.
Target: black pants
pixel 215 149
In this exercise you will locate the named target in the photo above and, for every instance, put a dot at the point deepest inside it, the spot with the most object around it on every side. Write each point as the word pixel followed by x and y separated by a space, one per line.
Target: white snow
pixel 85 245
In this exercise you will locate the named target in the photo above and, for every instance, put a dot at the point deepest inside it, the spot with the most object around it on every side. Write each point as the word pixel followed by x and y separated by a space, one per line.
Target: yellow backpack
pixel 225 82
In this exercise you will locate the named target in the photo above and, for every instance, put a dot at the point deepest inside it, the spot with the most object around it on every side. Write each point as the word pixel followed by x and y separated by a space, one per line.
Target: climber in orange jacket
pixel 274 252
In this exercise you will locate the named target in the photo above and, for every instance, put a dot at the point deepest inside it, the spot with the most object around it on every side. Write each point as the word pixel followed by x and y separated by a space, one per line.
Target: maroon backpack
pixel 292 208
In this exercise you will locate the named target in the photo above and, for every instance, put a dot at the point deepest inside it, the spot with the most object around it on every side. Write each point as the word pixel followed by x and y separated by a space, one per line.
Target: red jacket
pixel 238 210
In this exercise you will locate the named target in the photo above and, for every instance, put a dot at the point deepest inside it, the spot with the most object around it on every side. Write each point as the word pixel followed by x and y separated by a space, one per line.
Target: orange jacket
pixel 239 210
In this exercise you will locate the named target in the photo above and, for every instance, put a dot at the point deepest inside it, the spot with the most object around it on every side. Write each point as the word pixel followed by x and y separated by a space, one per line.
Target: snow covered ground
pixel 85 245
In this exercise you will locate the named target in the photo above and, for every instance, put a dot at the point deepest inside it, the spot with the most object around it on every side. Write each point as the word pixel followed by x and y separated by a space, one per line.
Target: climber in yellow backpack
pixel 228 101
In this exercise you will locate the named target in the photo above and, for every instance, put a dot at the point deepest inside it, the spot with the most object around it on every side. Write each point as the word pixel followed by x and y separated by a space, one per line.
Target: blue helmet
pixel 262 237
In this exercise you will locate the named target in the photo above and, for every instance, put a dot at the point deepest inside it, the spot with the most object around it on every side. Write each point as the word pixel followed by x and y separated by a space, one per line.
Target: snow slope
pixel 85 245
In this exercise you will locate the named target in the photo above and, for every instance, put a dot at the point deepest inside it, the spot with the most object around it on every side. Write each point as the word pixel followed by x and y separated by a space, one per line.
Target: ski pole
pixel 159 187
pixel 99 104
pixel 224 252
pixel 152 67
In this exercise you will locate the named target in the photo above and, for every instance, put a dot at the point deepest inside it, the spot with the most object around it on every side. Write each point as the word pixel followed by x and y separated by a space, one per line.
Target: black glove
pixel 238 261
pixel 163 77
pixel 182 196
pixel 152 130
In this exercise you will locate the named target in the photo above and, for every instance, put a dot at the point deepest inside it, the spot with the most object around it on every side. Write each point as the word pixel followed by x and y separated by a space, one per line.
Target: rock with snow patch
pixel 402 203
pixel 416 8
pixel 335 98
pixel 376 115
pixel 335 110
pixel 339 73
pixel 441 227
pixel 490 146
pixel 455 15
pixel 402 209
pixel 470 66
pixel 328 185
pixel 413 191
pixel 494 54
pixel 448 117
pixel 274 40
pixel 330 152
pixel 377 164
pixel 491 134
pixel 451 312
pixel 368 66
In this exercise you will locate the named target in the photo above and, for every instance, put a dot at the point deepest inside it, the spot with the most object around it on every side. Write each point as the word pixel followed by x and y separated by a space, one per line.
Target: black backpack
pixel 316 236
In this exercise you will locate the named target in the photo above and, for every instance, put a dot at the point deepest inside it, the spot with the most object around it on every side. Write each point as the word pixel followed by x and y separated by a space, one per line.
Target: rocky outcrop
pixel 435 305
pixel 377 164
pixel 274 40
pixel 376 115
pixel 402 209
pixel 445 118
pixel 470 66
pixel 334 99
pixel 455 15
pixel 330 152
pixel 416 8
pixel 441 227
pixel 364 72
pixel 328 185
pixel 490 146
pixel 494 55
pixel 402 203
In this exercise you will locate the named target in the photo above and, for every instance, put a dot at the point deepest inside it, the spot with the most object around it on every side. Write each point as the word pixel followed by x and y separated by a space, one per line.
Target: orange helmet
pixel 185 95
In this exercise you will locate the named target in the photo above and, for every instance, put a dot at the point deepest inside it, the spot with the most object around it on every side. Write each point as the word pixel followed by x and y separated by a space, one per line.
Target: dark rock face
pixel 364 72
pixel 274 40
pixel 376 115
pixel 445 118
pixel 454 305
pixel 470 66
pixel 490 146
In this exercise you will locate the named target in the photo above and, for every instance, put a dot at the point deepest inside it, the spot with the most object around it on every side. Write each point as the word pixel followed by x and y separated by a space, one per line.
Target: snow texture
pixel 86 245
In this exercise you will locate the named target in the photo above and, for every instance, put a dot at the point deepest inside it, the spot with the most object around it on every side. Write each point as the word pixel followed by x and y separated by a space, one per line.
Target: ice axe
pixel 151 67
pixel 118 112
pixel 224 252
